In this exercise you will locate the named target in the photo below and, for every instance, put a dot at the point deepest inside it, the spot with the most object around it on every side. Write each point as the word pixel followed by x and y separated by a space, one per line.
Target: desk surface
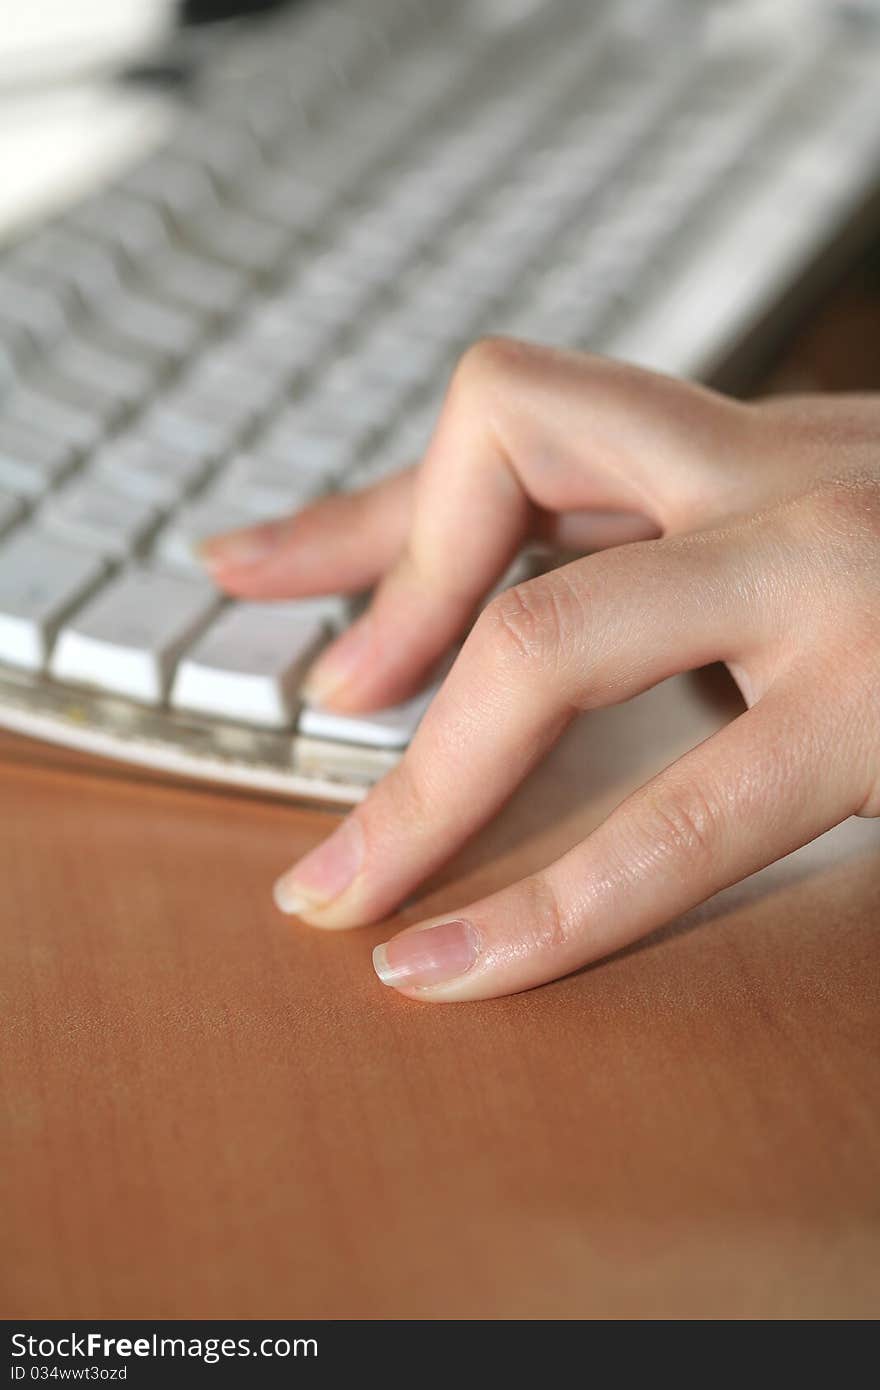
pixel 208 1111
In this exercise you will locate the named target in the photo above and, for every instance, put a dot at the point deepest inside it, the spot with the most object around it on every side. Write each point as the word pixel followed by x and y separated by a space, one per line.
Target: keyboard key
pixel 150 324
pixel 314 449
pixel 70 259
pixel 230 375
pixel 128 639
pixel 380 252
pixel 227 411
pixel 173 433
pixel 66 407
pixel 265 487
pixel 154 472
pixel 361 393
pixel 249 664
pixel 189 432
pixel 41 580
pixel 79 410
pixel 126 380
pixel 177 186
pixel 28 405
pixel 90 513
pixel 129 225
pixel 403 357
pixel 198 284
pixel 281 341
pixel 329 291
pixel 337 173
pixel 224 151
pixel 32 462
pixel 250 243
pixel 281 197
pixel 384 728
pixel 35 312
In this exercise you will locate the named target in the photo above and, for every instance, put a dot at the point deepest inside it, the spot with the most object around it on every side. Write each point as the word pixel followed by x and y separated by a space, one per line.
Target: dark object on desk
pixel 203 11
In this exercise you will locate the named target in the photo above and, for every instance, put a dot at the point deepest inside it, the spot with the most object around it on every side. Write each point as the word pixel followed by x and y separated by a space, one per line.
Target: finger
pixel 344 543
pixel 523 428
pixel 583 531
pixel 340 544
pixel 752 793
pixel 592 633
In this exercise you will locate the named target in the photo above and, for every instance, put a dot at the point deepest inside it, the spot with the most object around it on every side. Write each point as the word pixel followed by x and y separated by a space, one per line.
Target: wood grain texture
pixel 207 1111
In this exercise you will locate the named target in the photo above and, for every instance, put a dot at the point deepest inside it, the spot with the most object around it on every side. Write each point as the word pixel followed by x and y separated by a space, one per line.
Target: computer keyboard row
pixel 269 309
pixel 152 637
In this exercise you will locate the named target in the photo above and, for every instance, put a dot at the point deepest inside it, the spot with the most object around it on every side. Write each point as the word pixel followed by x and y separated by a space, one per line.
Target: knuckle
pixel 835 527
pixel 552 929
pixel 685 826
pixel 490 357
pixel 532 624
pixel 844 507
pixel 814 564
pixel 488 365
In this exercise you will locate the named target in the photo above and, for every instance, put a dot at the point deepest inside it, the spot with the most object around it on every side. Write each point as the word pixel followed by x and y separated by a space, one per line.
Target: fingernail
pixel 247 547
pixel 324 873
pixel 337 664
pixel 431 956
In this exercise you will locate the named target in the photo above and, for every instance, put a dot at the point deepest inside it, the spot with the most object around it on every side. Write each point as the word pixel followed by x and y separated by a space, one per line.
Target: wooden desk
pixel 209 1112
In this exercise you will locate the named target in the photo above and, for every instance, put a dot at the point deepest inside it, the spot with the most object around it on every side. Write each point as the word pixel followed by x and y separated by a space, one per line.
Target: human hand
pixel 753 538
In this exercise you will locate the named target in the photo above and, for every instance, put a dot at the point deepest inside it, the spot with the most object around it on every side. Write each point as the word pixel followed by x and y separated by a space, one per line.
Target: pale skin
pixel 716 531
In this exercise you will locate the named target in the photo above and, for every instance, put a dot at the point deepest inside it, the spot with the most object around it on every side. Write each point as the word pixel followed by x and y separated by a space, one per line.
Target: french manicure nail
pixel 324 873
pixel 430 956
pixel 247 547
pixel 338 663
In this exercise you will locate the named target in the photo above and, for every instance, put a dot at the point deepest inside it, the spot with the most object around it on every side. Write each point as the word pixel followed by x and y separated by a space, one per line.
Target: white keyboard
pixel 269 307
